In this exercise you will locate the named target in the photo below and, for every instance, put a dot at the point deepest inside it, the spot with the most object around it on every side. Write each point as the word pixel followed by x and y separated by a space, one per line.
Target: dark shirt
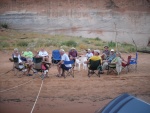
pixel 73 53
pixel 107 52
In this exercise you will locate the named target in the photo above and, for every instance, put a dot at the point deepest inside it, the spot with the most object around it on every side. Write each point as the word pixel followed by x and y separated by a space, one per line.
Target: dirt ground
pixel 80 94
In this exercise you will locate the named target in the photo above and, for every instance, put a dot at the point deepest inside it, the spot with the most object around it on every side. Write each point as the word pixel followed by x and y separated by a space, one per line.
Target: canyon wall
pixel 121 20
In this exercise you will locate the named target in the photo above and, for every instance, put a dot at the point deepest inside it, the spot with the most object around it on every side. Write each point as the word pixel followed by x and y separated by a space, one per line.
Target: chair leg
pixel 63 73
pixel 78 66
pixel 136 67
pixel 99 73
pixel 88 73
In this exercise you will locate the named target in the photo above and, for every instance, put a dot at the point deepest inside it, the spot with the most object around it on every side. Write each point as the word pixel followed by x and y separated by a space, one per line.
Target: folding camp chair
pixel 94 66
pixel 19 68
pixel 56 57
pixel 70 71
pixel 40 66
pixel 111 68
pixel 133 61
pixel 126 65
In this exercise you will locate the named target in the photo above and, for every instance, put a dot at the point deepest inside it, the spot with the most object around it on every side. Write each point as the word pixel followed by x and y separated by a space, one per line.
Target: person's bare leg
pixel 59 70
pixel 47 59
pixel 28 69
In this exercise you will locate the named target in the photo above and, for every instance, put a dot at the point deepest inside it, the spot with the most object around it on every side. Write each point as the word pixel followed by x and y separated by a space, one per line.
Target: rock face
pixel 120 20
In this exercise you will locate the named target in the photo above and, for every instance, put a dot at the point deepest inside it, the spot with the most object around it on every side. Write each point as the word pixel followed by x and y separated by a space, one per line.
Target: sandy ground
pixel 71 95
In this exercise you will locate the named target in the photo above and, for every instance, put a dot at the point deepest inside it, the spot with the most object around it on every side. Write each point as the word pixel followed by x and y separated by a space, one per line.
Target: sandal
pixel 58 75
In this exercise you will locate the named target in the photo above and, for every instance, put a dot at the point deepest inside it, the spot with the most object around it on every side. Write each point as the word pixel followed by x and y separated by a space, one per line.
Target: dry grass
pixel 10 39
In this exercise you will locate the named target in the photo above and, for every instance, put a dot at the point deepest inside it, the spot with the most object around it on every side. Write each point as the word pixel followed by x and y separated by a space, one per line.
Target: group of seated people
pixel 107 57
pixel 27 58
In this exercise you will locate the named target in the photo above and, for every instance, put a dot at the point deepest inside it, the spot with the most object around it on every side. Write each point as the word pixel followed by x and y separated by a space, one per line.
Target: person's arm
pixel 100 60
pixel 24 54
pixel 69 54
pixel 76 53
pixel 31 55
pixel 46 53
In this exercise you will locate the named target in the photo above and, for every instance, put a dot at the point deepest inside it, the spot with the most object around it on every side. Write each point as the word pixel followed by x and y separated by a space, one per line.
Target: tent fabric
pixel 126 103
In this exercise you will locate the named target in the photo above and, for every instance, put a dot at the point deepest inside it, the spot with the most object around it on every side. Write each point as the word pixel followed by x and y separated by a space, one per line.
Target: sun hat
pixel 98 51
pixel 73 48
pixel 106 46
pixel 112 50
pixel 62 50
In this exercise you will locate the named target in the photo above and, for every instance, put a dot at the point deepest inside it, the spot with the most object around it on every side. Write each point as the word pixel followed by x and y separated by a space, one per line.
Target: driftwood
pixel 144 51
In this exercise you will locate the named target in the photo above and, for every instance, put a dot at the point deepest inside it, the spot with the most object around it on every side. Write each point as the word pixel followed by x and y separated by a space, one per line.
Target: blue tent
pixel 126 103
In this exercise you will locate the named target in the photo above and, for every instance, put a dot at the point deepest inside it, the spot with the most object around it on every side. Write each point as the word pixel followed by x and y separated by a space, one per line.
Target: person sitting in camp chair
pixel 28 58
pixel 40 66
pixel 94 63
pixel 116 64
pixel 16 54
pixel 44 54
pixel 73 53
pixel 89 54
pixel 108 60
pixel 106 53
pixel 61 66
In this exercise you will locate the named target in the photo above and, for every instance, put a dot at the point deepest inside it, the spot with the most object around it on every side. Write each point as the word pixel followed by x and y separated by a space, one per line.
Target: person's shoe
pixel 92 72
pixel 10 59
pixel 58 75
pixel 42 76
pixel 29 75
pixel 34 71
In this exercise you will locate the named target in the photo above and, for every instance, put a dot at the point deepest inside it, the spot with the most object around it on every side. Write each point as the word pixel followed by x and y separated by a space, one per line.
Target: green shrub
pixel 4 44
pixel 5 25
pixel 111 44
pixel 98 44
pixel 22 44
pixel 87 41
pixel 131 49
pixel 97 38
pixel 69 43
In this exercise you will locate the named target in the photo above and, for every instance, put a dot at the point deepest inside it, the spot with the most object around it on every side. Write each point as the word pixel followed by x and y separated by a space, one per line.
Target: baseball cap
pixel 98 51
pixel 112 50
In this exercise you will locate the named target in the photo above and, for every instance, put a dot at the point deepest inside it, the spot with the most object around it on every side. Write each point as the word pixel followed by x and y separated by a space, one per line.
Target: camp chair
pixel 69 72
pixel 19 68
pixel 111 68
pixel 94 66
pixel 56 57
pixel 133 61
pixel 126 66
pixel 40 66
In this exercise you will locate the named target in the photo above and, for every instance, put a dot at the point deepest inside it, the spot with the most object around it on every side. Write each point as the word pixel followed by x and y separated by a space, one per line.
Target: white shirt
pixel 43 53
pixel 65 57
pixel 19 58
pixel 88 55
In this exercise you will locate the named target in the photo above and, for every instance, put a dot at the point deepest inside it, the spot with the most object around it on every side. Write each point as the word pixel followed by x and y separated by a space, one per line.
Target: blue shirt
pixel 111 57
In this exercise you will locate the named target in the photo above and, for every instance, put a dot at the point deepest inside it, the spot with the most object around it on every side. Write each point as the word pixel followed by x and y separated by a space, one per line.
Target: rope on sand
pixel 37 97
pixel 5 72
pixel 15 86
